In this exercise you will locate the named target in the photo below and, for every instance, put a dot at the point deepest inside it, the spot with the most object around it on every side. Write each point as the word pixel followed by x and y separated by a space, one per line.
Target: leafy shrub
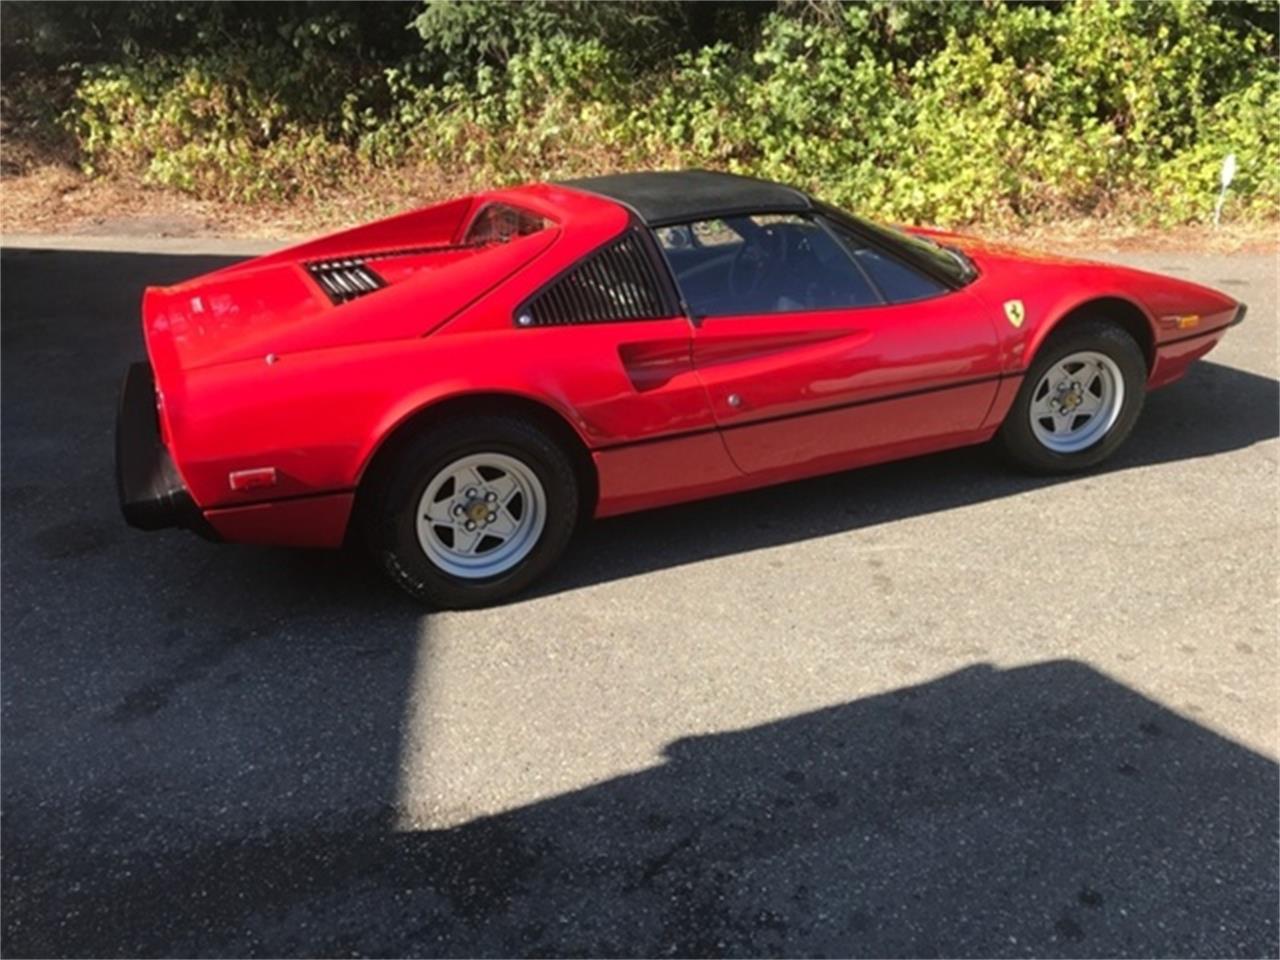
pixel 458 37
pixel 1020 113
pixel 1244 123
pixel 946 112
pixel 201 126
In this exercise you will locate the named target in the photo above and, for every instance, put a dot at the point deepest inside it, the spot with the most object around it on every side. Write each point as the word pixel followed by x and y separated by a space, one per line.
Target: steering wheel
pixel 753 263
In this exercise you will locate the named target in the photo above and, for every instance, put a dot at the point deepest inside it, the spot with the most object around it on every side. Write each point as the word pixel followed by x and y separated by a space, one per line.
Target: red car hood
pixel 1051 284
pixel 1004 254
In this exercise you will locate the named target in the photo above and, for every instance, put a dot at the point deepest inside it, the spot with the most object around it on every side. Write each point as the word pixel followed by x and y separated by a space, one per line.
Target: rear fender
pixel 316 419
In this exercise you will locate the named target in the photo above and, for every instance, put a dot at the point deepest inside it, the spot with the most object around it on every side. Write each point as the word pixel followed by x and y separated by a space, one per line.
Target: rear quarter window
pixel 616 283
pixel 500 222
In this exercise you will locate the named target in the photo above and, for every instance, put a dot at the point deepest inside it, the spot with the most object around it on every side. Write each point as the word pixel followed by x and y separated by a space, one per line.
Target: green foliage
pixel 1243 123
pixel 929 112
pixel 1020 112
pixel 457 38
pixel 208 127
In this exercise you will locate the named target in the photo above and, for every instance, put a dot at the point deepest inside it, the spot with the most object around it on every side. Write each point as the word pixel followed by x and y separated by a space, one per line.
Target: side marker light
pixel 252 479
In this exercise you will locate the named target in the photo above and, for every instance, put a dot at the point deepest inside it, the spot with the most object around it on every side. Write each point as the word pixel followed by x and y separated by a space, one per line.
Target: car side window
pixel 763 263
pixel 898 282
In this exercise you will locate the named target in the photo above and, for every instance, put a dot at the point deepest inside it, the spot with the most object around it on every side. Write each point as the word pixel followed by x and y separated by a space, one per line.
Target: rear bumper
pixel 152 494
pixel 311 521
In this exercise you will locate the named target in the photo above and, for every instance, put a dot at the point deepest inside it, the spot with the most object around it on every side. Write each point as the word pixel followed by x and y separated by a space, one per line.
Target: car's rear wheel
pixel 1079 400
pixel 473 511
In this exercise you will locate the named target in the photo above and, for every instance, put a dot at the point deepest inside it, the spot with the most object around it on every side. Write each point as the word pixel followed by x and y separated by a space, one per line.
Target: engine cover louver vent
pixel 616 283
pixel 344 280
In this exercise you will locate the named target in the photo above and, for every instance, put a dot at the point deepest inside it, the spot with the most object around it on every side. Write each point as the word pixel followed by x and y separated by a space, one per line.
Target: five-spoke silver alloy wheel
pixel 481 515
pixel 1076 402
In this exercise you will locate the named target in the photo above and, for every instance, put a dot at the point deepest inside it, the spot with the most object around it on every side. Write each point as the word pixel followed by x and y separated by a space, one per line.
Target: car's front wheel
pixel 473 511
pixel 1079 400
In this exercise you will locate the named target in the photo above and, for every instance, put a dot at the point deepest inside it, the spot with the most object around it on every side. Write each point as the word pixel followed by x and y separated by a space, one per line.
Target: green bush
pixel 203 127
pixel 1244 123
pixel 1021 113
pixel 950 113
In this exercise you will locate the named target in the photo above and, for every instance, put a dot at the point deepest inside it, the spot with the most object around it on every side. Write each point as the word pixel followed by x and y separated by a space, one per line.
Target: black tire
pixel 1018 440
pixel 392 505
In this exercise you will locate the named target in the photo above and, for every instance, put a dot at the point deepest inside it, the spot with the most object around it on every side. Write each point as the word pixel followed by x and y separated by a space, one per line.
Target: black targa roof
pixel 676 196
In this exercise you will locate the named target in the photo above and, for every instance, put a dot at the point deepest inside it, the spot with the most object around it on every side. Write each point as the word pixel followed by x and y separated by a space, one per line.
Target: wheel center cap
pixel 477 511
pixel 1069 397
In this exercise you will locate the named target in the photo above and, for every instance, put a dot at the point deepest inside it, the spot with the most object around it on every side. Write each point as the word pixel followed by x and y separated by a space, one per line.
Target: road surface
pixel 926 708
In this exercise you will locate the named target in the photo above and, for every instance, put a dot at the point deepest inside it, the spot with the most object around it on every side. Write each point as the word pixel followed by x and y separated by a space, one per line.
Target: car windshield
pixel 947 260
pixel 936 257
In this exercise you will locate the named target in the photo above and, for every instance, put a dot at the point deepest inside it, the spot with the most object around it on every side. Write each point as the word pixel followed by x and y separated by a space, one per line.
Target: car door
pixel 818 348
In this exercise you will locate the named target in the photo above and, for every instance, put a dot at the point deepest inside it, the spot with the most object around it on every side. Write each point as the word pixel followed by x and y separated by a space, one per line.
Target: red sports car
pixel 461 385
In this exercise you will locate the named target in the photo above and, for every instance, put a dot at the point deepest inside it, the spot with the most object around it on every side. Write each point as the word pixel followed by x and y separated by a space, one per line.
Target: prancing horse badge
pixel 1015 312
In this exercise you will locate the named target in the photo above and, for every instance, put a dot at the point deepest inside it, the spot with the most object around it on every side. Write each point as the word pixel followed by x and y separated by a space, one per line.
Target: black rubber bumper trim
pixel 152 494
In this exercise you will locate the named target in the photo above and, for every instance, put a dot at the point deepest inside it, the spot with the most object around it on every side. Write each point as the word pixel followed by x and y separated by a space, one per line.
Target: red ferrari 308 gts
pixel 461 385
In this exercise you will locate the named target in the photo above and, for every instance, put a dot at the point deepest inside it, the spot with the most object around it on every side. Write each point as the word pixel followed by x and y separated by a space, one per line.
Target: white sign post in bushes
pixel 1228 174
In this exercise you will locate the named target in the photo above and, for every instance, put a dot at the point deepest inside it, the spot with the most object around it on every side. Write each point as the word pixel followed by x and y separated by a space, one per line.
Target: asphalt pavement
pixel 930 708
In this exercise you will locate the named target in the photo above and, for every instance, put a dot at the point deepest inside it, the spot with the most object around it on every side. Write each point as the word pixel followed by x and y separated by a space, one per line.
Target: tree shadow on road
pixel 1045 810
pixel 159 694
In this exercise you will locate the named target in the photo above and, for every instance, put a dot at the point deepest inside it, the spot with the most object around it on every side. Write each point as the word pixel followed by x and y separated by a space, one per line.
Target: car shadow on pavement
pixel 1214 409
pixel 203 745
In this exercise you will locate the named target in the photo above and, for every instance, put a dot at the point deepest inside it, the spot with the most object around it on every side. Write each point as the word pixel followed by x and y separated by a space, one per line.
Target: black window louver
pixel 344 280
pixel 616 283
